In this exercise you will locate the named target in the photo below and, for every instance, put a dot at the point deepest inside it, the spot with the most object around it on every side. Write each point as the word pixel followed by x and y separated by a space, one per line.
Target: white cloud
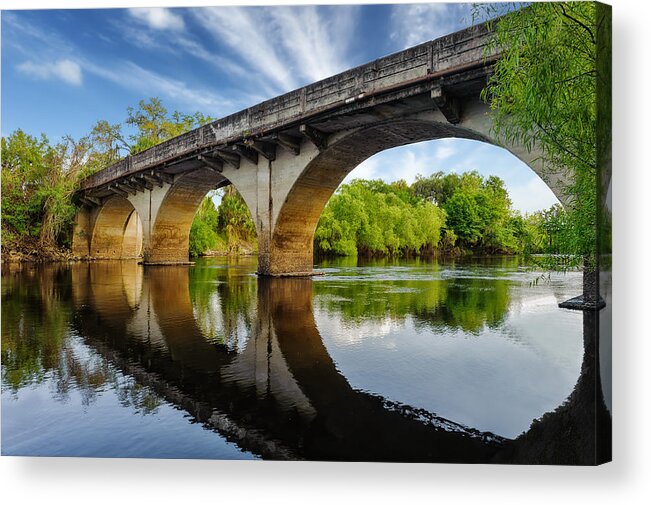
pixel 149 83
pixel 284 46
pixel 158 18
pixel 400 163
pixel 125 74
pixel 531 196
pixel 417 23
pixel 17 32
pixel 367 169
pixel 249 37
pixel 66 70
pixel 314 43
pixel 444 149
pixel 179 42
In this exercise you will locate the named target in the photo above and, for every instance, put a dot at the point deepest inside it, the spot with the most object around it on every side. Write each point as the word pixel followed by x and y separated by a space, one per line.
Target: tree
pixel 39 179
pixel 154 124
pixel 543 93
pixel 234 220
pixel 376 218
pixel 26 161
pixel 203 233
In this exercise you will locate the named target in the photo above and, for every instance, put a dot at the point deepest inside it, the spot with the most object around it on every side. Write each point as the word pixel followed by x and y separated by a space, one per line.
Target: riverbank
pixel 30 250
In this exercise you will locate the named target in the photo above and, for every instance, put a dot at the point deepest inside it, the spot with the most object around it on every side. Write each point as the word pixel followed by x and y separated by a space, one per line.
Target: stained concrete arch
pixel 117 231
pixel 169 233
pixel 291 246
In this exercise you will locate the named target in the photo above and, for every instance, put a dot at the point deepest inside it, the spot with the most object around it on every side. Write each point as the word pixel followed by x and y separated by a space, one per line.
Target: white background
pixel 626 481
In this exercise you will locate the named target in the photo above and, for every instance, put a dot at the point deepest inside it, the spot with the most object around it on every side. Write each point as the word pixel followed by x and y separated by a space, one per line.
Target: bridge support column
pixel 287 260
pixel 82 233
pixel 165 231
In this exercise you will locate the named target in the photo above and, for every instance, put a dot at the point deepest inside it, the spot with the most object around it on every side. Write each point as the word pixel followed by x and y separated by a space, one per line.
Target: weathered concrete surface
pixel 132 241
pixel 286 156
pixel 111 226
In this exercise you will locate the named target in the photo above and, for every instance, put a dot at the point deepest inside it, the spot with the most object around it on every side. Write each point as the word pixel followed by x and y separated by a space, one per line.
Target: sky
pixel 62 70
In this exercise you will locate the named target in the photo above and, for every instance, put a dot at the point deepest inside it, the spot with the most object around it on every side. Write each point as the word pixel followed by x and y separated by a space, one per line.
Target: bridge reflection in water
pixel 260 375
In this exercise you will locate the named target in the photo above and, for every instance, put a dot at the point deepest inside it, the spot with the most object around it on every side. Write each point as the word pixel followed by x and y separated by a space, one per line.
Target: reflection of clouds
pixel 535 321
pixel 498 379
pixel 348 333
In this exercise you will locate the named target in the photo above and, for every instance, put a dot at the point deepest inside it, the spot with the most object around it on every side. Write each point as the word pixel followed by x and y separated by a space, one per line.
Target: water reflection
pixel 245 358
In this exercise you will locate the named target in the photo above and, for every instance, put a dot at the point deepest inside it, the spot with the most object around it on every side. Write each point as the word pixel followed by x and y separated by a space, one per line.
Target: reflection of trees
pixel 90 375
pixel 223 302
pixel 468 304
pixel 37 344
pixel 90 340
pixel 35 315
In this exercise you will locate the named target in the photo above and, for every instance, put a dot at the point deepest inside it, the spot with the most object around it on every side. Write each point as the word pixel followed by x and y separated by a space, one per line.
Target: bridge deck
pixel 393 85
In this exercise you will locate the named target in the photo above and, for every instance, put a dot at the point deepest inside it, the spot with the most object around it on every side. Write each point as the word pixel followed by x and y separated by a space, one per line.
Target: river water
pixel 403 360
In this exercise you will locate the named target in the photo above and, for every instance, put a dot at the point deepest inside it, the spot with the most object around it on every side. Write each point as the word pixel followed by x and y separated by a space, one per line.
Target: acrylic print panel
pixel 347 233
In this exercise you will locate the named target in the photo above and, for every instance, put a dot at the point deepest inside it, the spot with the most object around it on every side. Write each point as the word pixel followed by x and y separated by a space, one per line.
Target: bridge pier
pixel 290 262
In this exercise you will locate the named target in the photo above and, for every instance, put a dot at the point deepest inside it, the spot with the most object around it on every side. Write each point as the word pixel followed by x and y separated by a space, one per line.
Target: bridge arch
pixel 291 246
pixel 117 232
pixel 169 235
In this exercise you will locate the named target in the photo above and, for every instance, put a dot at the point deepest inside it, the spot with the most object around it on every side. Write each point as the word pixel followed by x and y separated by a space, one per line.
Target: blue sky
pixel 62 70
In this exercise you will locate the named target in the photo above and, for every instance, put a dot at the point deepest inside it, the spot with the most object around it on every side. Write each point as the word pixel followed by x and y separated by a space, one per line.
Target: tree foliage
pixel 39 178
pixel 203 233
pixel 234 221
pixel 38 181
pixel 543 94
pixel 376 218
pixel 441 213
pixel 478 209
pixel 153 124
pixel 228 230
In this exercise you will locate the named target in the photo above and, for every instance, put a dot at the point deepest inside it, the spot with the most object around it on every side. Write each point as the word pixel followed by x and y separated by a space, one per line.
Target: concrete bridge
pixel 287 156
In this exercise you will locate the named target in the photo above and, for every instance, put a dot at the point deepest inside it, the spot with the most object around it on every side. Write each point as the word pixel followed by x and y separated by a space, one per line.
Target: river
pixel 385 360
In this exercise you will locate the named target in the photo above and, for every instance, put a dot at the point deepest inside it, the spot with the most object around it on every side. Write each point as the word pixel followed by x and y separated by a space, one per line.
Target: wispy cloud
pixel 66 70
pixel 49 56
pixel 412 24
pixel 148 83
pixel 400 163
pixel 249 36
pixel 158 18
pixel 23 35
pixel 316 45
pixel 287 46
pixel 171 38
pixel 531 196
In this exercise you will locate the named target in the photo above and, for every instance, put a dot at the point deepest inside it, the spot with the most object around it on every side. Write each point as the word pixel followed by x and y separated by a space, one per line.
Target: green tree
pixel 203 233
pixel 153 124
pixel 39 179
pixel 26 161
pixel 543 94
pixel 464 217
pixel 234 221
pixel 375 218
